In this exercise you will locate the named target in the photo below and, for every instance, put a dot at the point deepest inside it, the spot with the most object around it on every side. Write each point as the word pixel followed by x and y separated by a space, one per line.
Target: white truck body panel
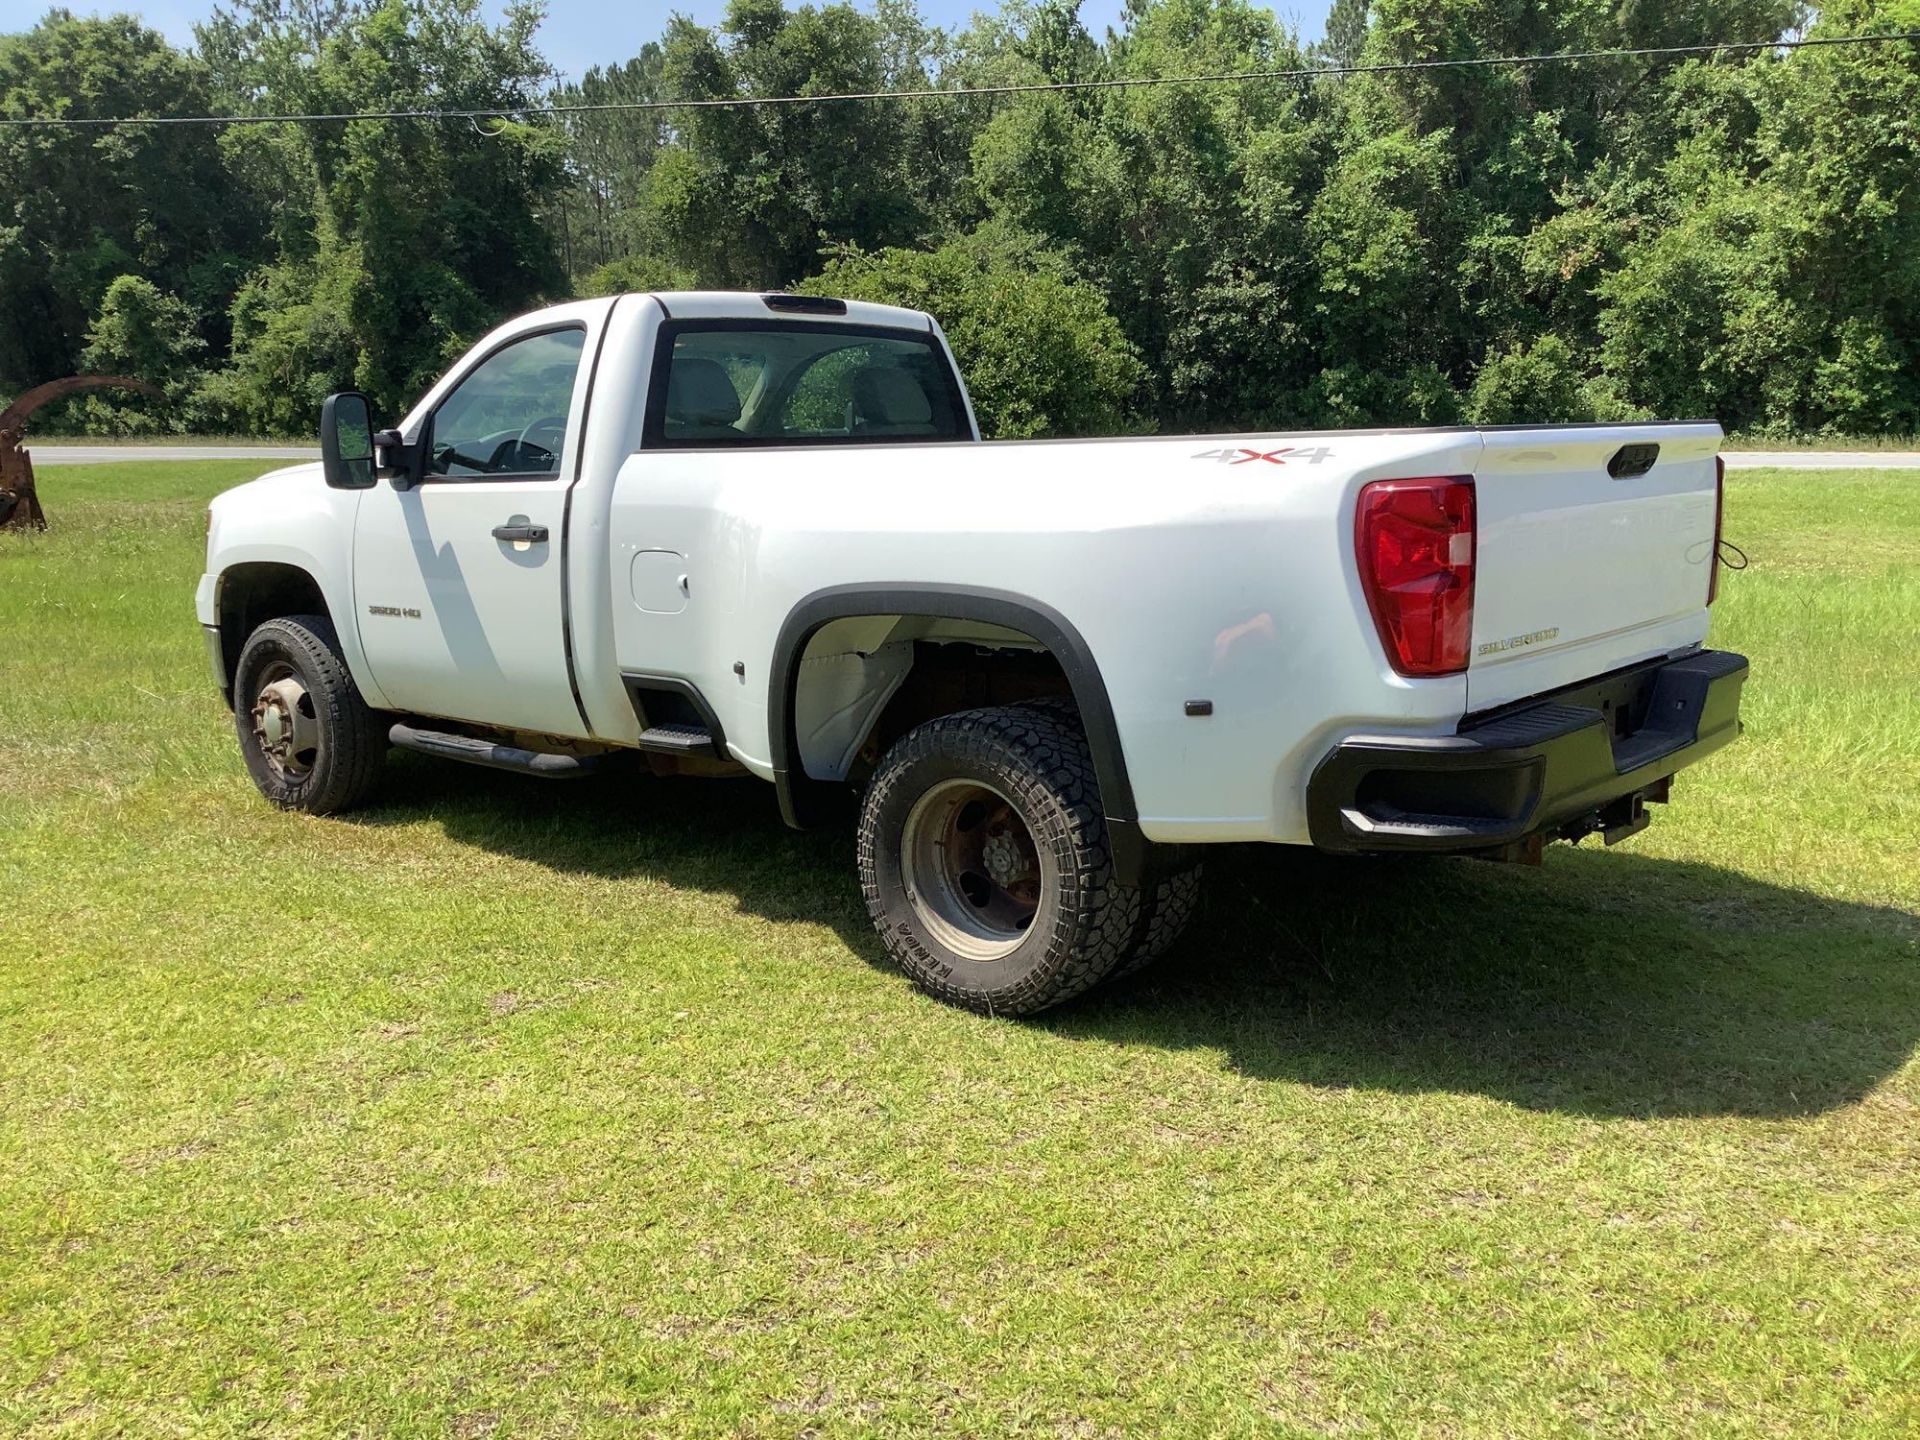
pixel 289 517
pixel 1217 569
pixel 497 640
pixel 1580 573
pixel 499 628
pixel 1229 587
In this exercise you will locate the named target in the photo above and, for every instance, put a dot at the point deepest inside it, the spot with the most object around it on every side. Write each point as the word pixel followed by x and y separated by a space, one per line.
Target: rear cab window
pixel 744 383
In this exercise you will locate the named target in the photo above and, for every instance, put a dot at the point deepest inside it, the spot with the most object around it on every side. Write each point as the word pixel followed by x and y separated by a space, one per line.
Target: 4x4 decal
pixel 1239 455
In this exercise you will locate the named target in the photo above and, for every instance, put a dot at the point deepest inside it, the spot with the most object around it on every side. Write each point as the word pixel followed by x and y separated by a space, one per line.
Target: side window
pixel 509 415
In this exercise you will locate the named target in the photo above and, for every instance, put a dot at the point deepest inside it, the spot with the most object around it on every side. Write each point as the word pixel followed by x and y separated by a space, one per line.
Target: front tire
pixel 985 862
pixel 310 742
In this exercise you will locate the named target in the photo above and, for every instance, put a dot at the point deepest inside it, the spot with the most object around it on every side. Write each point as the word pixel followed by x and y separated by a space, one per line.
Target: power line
pixel 748 102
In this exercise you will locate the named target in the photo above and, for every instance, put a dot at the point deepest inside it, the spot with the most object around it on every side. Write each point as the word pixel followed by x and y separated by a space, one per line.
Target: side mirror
pixel 399 459
pixel 346 441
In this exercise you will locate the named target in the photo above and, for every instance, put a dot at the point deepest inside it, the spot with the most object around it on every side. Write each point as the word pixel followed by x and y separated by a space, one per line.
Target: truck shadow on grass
pixel 1603 984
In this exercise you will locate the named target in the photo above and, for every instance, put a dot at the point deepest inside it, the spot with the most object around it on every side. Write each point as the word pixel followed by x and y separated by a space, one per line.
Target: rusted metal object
pixel 19 501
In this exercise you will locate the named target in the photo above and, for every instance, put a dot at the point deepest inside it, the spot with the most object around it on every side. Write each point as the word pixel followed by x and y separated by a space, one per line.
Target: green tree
pixel 1773 277
pixel 1540 385
pixel 80 207
pixel 751 195
pixel 396 241
pixel 1185 205
pixel 632 273
pixel 144 332
pixel 1346 31
pixel 601 216
pixel 1735 235
pixel 1040 353
pixel 1386 316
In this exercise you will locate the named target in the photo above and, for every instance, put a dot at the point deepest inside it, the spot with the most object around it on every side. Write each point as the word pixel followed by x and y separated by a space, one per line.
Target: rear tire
pixel 310 742
pixel 1167 901
pixel 1165 911
pixel 985 862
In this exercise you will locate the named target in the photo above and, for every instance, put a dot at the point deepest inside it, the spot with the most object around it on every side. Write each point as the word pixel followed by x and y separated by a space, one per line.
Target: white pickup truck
pixel 749 534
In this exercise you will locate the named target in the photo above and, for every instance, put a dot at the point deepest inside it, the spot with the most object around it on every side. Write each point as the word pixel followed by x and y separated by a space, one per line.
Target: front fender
pixel 290 518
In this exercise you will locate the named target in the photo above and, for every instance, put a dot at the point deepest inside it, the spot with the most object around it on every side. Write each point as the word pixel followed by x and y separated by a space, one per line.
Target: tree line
pixel 1733 236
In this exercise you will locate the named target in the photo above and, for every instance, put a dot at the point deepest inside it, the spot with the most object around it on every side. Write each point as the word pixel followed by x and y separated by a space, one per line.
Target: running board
pixel 493 756
pixel 679 740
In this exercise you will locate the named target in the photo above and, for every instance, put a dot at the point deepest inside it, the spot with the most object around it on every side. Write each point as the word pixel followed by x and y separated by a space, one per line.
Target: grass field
pixel 507 1109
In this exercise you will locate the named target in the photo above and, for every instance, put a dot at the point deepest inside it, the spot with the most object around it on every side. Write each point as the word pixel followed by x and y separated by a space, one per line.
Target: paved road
pixel 44 454
pixel 1822 460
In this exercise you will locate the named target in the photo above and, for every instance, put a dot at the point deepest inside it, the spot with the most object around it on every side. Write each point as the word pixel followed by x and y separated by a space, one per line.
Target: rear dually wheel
pixel 985 862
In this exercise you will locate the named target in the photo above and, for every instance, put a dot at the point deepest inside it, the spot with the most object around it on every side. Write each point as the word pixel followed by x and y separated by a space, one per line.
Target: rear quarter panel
pixel 1194 569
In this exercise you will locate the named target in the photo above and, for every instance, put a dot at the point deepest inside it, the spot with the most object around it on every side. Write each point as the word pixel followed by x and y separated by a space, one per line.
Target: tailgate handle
pixel 1630 462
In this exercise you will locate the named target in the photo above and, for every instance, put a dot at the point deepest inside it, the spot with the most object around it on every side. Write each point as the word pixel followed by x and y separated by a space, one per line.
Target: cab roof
pixel 773 305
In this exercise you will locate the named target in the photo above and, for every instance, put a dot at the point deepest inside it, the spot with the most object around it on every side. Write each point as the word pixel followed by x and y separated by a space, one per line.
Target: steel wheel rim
pixel 972 869
pixel 284 723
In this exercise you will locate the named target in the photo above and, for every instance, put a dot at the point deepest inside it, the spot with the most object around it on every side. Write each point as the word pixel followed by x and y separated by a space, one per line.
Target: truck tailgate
pixel 1579 570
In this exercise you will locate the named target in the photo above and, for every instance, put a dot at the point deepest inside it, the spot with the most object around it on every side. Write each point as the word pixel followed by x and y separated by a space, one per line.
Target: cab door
pixel 459 581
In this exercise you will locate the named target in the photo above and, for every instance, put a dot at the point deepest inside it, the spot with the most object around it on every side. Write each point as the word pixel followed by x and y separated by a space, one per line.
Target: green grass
pixel 54 442
pixel 541 1111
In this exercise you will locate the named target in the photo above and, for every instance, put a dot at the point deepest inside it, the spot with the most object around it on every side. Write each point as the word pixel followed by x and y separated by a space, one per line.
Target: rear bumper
pixel 1568 764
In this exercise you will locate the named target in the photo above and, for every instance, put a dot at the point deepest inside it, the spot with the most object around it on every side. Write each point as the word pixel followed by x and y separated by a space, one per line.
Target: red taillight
pixel 1719 510
pixel 1416 542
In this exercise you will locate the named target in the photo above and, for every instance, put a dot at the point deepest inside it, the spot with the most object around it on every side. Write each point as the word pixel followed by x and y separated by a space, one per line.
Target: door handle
pixel 536 534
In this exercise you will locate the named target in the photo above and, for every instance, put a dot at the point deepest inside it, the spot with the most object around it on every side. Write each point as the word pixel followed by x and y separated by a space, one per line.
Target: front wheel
pixel 985 862
pixel 309 740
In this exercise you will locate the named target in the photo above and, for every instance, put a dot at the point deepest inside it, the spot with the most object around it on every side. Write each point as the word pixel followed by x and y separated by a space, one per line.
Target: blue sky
pixel 581 33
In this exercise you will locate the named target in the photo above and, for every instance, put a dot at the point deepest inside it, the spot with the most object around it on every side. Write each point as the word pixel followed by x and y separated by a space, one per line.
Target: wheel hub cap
pixel 972 869
pixel 284 723
pixel 1001 855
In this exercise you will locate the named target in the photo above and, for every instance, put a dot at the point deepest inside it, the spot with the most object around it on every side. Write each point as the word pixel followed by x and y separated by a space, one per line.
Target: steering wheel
pixel 520 455
pixel 557 424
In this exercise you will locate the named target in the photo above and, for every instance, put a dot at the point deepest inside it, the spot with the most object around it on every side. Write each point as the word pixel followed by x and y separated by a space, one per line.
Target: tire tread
pixel 356 750
pixel 1043 758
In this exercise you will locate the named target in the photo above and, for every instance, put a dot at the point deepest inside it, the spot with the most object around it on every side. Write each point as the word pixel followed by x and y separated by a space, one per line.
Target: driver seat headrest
pixel 888 399
pixel 700 397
